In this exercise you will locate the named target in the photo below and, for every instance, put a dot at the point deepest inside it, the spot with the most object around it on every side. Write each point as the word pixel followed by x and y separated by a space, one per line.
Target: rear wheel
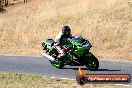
pixel 91 63
pixel 58 64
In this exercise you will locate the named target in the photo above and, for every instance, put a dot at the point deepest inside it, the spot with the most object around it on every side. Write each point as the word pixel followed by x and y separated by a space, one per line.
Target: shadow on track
pixel 75 68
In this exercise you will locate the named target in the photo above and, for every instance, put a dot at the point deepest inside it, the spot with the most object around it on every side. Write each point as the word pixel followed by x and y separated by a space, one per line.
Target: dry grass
pixel 106 23
pixel 12 80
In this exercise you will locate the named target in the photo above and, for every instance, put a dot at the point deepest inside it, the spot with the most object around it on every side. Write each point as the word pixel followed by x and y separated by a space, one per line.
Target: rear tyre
pixel 91 63
pixel 58 64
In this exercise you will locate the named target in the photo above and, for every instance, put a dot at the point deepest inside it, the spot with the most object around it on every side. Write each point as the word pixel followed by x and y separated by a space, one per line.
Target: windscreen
pixel 78 39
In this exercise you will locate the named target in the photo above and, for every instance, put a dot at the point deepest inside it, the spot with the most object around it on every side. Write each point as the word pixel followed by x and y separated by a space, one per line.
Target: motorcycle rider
pixel 61 39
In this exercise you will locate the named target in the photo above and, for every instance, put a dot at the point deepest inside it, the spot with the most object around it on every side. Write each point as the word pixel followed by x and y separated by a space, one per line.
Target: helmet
pixel 66 30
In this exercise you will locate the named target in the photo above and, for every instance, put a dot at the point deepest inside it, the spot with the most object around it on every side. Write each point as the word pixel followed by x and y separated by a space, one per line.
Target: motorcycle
pixel 76 53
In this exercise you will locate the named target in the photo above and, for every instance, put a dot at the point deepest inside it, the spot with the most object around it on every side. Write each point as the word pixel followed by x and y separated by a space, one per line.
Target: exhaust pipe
pixel 48 56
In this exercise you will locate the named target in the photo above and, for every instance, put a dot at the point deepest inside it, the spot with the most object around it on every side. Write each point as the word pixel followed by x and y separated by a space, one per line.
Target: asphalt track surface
pixel 41 66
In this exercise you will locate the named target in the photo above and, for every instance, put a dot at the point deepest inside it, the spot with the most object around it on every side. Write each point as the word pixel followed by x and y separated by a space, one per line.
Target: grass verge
pixel 12 80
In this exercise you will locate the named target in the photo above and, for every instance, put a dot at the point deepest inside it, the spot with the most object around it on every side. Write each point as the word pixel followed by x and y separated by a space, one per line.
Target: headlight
pixel 87 45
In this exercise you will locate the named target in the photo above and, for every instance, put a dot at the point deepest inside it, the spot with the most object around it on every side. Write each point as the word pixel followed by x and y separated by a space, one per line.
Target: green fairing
pixel 89 54
pixel 79 50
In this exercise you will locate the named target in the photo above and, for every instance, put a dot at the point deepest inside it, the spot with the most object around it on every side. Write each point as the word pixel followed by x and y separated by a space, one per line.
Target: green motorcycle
pixel 77 53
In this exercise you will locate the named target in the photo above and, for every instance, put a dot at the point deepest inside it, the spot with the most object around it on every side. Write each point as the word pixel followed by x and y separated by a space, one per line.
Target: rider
pixel 61 39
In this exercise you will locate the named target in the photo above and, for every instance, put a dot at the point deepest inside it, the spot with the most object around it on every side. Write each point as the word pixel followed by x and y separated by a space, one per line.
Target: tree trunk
pixel 25 1
pixel 6 2
pixel 1 5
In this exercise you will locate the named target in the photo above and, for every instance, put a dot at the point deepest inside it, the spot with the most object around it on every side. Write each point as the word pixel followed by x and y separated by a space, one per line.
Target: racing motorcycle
pixel 77 53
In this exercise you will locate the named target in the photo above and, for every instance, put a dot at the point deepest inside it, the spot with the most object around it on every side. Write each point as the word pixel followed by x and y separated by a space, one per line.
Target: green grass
pixel 12 80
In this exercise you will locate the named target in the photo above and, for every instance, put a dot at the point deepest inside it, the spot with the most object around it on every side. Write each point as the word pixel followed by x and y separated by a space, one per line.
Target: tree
pixel 1 5
pixel 25 1
pixel 6 2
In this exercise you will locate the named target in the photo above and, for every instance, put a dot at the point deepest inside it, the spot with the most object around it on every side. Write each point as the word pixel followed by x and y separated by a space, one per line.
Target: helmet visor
pixel 67 32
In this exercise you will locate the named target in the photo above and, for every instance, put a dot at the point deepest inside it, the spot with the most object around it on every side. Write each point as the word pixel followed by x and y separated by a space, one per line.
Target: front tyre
pixel 91 63
pixel 58 64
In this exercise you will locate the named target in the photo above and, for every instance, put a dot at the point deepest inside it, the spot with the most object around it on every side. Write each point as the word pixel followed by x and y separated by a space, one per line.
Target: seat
pixel 50 42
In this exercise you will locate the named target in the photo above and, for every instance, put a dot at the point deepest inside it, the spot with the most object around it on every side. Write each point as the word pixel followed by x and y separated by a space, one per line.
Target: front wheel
pixel 91 62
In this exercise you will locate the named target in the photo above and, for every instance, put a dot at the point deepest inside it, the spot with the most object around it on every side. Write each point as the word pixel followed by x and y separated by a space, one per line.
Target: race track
pixel 41 66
